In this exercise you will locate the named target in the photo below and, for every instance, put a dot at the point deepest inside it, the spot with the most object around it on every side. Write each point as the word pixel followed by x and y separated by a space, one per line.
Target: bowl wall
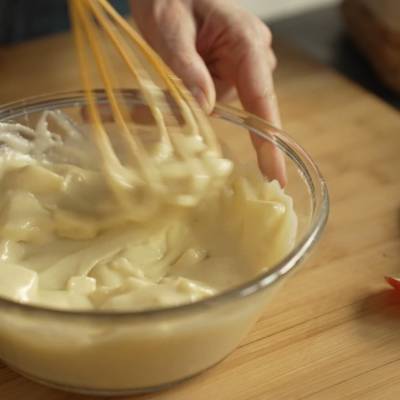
pixel 122 353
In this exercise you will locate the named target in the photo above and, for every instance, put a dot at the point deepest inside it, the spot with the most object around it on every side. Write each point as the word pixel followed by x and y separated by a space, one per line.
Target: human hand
pixel 217 48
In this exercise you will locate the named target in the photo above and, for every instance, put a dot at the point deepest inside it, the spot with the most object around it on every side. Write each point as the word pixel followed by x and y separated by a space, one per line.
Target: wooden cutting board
pixel 333 331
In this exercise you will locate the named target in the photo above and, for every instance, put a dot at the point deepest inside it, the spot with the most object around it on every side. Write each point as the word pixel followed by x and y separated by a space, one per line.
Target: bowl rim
pixel 228 113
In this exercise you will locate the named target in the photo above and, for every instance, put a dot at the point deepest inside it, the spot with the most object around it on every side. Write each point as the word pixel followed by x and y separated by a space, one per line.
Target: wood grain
pixel 333 331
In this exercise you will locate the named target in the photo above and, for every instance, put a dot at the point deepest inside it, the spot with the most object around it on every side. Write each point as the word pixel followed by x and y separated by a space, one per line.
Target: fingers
pixel 171 30
pixel 225 91
pixel 237 49
pixel 256 91
pixel 254 77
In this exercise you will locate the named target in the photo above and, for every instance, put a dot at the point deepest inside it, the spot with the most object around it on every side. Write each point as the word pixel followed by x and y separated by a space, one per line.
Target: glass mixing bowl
pixel 114 353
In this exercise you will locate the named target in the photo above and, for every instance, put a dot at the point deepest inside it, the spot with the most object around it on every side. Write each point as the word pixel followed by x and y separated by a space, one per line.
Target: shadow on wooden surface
pixel 381 317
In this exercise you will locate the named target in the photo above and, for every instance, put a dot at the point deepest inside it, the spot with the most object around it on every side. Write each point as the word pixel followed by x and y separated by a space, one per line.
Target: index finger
pixel 256 91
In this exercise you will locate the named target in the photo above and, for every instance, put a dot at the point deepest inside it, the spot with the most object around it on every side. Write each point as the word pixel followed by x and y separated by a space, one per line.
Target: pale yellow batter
pixel 66 243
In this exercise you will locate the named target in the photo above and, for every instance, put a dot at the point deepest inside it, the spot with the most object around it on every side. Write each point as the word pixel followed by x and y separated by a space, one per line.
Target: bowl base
pixel 102 392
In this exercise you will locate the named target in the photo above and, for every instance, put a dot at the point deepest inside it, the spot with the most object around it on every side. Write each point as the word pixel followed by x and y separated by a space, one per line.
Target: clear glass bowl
pixel 122 353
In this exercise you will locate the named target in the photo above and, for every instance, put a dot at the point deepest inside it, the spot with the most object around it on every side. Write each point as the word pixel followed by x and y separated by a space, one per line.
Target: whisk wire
pixel 187 161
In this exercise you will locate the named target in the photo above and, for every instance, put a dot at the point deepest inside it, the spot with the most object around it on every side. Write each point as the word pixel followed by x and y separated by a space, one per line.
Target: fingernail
pixel 201 98
pixel 272 163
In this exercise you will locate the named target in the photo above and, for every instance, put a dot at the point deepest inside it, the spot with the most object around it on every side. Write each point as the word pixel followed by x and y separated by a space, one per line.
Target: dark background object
pixel 322 34
pixel 26 19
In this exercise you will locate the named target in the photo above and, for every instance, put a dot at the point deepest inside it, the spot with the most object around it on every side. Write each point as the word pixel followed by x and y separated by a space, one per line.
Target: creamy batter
pixel 66 243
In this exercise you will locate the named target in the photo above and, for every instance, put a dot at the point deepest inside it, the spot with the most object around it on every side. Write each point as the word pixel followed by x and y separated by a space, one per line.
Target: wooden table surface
pixel 333 331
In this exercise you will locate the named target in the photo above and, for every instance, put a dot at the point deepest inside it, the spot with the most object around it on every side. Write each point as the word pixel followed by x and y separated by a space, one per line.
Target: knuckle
pixel 182 60
pixel 246 35
pixel 273 61
pixel 268 93
pixel 255 33
pixel 266 35
pixel 260 96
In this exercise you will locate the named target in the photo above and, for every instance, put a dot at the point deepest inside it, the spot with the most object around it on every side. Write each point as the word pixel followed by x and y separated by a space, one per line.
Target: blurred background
pixel 268 9
pixel 359 38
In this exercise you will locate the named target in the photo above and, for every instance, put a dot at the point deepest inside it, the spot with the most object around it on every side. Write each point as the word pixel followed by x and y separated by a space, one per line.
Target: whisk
pixel 179 165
